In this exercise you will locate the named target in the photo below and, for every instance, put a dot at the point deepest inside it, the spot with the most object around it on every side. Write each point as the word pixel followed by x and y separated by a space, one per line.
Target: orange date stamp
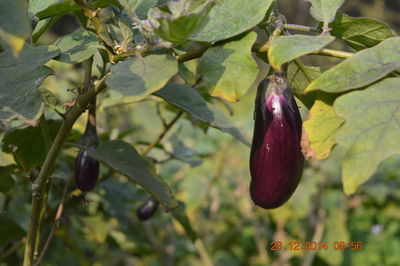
pixel 317 245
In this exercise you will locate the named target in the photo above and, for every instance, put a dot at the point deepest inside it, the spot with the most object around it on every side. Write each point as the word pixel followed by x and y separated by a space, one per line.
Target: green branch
pixel 39 186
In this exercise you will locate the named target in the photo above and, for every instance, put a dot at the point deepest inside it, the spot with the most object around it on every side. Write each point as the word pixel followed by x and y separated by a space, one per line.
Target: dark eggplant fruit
pixel 276 160
pixel 86 170
pixel 147 209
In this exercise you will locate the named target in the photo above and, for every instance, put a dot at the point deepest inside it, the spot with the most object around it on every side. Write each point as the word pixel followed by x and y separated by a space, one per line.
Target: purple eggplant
pixel 147 209
pixel 276 161
pixel 86 170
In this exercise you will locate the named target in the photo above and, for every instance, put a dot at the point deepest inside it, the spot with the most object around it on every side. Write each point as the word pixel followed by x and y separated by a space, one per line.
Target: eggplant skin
pixel 86 171
pixel 276 160
pixel 147 209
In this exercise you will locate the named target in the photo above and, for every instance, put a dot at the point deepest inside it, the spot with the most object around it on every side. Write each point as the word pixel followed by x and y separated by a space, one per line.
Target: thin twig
pixel 300 28
pixel 163 133
pixel 56 224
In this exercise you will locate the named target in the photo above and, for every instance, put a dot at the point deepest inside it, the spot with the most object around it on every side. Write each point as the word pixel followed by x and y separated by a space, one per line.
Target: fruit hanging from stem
pixel 147 209
pixel 86 170
pixel 276 161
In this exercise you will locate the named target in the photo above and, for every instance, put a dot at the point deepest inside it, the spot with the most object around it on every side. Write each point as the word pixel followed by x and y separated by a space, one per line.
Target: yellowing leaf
pixel 320 127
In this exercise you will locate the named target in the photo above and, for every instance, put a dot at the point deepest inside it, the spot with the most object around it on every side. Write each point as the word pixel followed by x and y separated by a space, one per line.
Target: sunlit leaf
pixel 320 127
pixel 360 33
pixel 230 18
pixel 370 133
pixel 139 77
pixel 229 70
pixel 324 10
pixel 286 48
pixel 361 69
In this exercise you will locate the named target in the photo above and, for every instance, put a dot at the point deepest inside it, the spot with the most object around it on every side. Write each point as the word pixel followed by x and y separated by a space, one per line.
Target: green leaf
pixel 229 70
pixel 324 10
pixel 189 100
pixel 77 47
pixel 361 69
pixel 139 77
pixel 15 26
pixel 230 18
pixel 299 76
pixel 123 158
pixel 9 230
pixel 320 127
pixel 61 8
pixel 36 6
pixel 360 33
pixel 19 79
pixel 179 214
pixel 30 143
pixel 69 6
pixel 183 21
pixel 370 133
pixel 6 181
pixel 286 48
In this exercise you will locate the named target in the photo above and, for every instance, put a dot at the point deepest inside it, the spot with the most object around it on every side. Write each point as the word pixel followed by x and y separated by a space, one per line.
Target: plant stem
pixel 163 133
pixel 38 188
pixel 300 28
pixel 56 224
pixel 334 53
pixel 10 250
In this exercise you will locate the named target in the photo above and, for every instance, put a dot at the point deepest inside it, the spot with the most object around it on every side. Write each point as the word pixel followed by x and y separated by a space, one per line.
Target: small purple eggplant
pixel 276 161
pixel 147 209
pixel 86 170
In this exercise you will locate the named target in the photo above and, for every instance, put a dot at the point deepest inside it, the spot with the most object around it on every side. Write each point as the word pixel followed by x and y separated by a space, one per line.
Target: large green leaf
pixel 9 230
pixel 229 70
pixel 360 33
pixel 68 6
pixel 320 127
pixel 123 158
pixel 19 79
pixel 77 47
pixel 185 19
pixel 30 143
pixel 61 8
pixel 371 132
pixel 189 100
pixel 286 48
pixel 230 18
pixel 139 77
pixel 361 69
pixel 299 76
pixel 324 10
pixel 36 6
pixel 15 26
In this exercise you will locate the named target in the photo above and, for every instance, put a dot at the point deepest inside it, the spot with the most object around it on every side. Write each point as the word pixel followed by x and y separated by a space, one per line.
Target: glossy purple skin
pixel 276 161
pixel 147 209
pixel 86 171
